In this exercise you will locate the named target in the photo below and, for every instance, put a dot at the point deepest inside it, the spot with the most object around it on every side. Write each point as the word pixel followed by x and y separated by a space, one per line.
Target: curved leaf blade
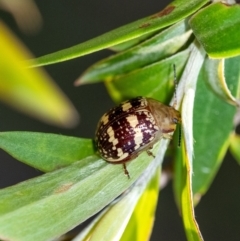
pixel 111 228
pixel 217 28
pixel 131 43
pixel 141 222
pixel 46 152
pixel 31 90
pixel 106 227
pixel 176 11
pixel 184 166
pixel 155 80
pixel 55 202
pixel 154 49
pixel 214 68
pixel 211 113
pixel 190 224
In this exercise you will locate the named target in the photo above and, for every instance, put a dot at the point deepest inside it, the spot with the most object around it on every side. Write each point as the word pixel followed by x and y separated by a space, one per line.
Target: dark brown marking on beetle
pixel 145 25
pixel 164 12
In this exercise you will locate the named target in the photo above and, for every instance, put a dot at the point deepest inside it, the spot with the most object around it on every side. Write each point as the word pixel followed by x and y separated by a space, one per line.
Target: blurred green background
pixel 66 23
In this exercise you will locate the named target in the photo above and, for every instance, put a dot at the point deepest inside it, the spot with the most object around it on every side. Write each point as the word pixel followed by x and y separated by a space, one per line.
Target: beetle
pixel 134 126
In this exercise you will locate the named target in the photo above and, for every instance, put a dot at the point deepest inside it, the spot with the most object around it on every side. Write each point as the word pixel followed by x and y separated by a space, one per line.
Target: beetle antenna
pixel 175 86
pixel 179 136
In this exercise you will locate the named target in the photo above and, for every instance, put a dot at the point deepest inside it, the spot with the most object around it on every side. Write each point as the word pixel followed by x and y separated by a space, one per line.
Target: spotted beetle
pixel 133 127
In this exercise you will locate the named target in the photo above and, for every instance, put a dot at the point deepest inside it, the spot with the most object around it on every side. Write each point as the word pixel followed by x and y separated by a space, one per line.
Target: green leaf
pixel 213 123
pixel 106 227
pixel 140 225
pixel 232 75
pixel 50 205
pixel 128 44
pixel 214 68
pixel 154 80
pixel 154 49
pixel 43 151
pixel 186 200
pixel 111 228
pixel 183 166
pixel 31 90
pixel 176 11
pixel 217 28
pixel 235 146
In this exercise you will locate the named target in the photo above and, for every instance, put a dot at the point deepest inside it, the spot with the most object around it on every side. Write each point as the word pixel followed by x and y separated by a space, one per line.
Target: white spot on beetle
pixel 110 131
pixel 126 106
pixel 143 102
pixel 111 139
pixel 120 152
pixel 132 120
pixel 115 142
pixel 123 156
pixel 105 119
pixel 138 138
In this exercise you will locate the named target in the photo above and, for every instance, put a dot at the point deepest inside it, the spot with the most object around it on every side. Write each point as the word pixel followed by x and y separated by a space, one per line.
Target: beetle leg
pixel 125 170
pixel 150 153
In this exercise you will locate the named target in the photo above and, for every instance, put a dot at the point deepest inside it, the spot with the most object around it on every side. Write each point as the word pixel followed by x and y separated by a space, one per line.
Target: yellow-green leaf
pixel 140 225
pixel 30 90
pixel 134 210
pixel 235 146
pixel 183 167
pixel 187 210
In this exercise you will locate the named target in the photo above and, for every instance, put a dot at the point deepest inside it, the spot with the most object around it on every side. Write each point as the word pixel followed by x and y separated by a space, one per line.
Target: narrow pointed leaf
pixel 141 222
pixel 154 80
pixel 216 79
pixel 111 228
pixel 211 115
pixel 55 202
pixel 135 211
pixel 217 28
pixel 30 90
pixel 235 146
pixel 128 44
pixel 43 151
pixel 187 210
pixel 183 172
pixel 154 49
pixel 176 11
